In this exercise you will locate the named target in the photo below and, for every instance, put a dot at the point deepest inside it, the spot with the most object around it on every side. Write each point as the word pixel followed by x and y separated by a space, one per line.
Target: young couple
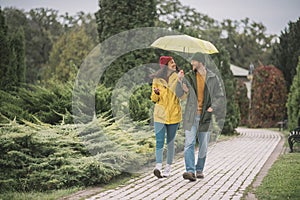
pixel 196 86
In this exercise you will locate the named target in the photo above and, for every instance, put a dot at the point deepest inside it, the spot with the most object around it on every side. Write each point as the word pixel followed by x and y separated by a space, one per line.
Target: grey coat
pixel 213 97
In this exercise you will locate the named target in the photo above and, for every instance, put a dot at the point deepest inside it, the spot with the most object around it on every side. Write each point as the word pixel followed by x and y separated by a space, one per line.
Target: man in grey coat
pixel 205 97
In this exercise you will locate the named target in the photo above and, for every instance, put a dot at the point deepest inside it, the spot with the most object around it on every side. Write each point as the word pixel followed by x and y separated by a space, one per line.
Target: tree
pixel 268 99
pixel 293 103
pixel 41 28
pixel 44 31
pixel 18 43
pixel 115 17
pixel 4 50
pixel 12 56
pixel 243 102
pixel 232 117
pixel 11 73
pixel 67 55
pixel 172 14
pixel 286 52
pixel 246 42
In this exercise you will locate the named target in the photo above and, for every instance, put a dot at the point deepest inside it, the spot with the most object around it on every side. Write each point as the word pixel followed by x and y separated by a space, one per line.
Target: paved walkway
pixel 231 166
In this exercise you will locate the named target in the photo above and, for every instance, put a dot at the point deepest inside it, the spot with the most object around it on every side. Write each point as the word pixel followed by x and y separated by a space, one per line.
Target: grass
pixel 282 180
pixel 57 194
pixel 51 195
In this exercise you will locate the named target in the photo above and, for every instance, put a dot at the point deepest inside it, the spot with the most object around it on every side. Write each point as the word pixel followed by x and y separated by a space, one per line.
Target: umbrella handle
pixel 177 69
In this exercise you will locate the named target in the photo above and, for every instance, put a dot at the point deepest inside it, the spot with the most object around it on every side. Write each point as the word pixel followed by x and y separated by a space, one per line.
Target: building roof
pixel 238 71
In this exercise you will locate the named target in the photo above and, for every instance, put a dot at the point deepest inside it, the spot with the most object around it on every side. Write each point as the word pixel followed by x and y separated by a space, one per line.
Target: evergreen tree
pixel 11 74
pixel 12 53
pixel 4 50
pixel 117 16
pixel 232 118
pixel 243 102
pixel 293 104
pixel 19 48
pixel 287 52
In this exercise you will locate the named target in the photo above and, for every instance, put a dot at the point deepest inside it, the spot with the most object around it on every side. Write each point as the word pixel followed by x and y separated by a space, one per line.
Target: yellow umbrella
pixel 184 43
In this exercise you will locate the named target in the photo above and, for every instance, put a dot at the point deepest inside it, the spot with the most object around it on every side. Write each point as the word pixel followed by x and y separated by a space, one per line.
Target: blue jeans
pixel 189 148
pixel 160 132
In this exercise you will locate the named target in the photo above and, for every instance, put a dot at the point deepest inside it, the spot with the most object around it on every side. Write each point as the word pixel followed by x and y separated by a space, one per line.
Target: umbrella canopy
pixel 184 43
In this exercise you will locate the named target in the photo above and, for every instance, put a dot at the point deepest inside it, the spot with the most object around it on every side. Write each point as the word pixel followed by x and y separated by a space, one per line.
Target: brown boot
pixel 199 174
pixel 189 175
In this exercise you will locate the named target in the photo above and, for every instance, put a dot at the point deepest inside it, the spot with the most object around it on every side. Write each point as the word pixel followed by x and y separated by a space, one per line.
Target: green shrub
pixel 47 157
pixel 103 99
pixel 30 102
pixel 10 108
pixel 40 158
pixel 140 104
pixel 293 104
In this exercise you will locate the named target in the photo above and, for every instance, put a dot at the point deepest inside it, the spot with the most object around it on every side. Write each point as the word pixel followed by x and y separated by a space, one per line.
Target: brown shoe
pixel 199 174
pixel 189 175
pixel 157 173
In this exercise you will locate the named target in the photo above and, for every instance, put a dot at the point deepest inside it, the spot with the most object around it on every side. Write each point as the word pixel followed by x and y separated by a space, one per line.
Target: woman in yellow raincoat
pixel 167 112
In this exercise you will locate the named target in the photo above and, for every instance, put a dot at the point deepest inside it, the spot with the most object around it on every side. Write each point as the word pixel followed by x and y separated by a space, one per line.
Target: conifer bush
pixel 42 158
pixel 10 108
pixel 103 99
pixel 46 157
pixel 140 104
pixel 293 104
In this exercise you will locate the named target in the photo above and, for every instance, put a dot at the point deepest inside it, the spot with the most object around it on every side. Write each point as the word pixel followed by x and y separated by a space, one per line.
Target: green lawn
pixel 52 195
pixel 283 179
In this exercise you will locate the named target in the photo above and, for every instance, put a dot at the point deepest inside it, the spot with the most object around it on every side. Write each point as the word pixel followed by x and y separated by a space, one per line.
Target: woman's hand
pixel 156 91
pixel 210 109
pixel 185 88
pixel 180 75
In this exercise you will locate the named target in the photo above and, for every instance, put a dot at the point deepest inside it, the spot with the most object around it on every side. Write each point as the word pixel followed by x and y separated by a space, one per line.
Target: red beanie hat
pixel 163 60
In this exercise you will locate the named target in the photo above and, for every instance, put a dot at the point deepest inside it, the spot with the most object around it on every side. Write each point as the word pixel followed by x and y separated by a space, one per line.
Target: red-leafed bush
pixel 269 96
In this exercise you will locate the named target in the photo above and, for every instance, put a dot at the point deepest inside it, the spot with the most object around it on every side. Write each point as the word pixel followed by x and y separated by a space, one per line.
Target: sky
pixel 274 14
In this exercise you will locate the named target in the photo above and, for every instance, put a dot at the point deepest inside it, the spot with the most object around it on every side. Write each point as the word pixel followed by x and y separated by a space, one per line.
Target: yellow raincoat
pixel 167 108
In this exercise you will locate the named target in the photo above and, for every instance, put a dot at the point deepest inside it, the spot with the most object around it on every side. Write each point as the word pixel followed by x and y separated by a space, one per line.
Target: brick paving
pixel 231 166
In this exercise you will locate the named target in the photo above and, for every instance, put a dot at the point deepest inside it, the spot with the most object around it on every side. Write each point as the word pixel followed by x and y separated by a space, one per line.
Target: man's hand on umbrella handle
pixel 156 91
pixel 210 109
